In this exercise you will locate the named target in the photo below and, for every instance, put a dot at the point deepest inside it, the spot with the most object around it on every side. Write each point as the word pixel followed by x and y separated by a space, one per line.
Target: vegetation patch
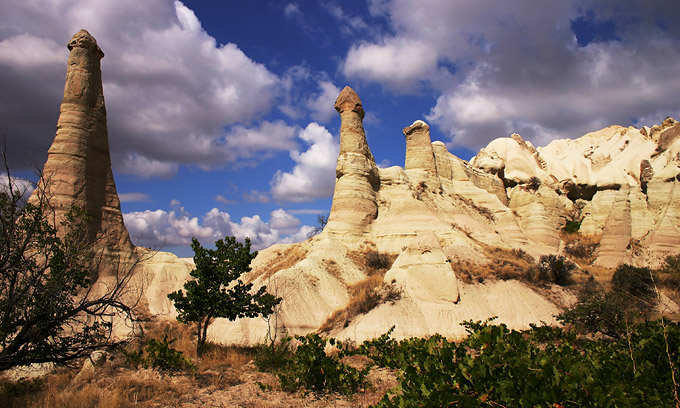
pixel 503 264
pixel 544 366
pixel 364 297
pixel 333 269
pixel 370 292
pixel 483 211
pixel 284 260
pixel 371 261
pixel 160 355
pixel 581 249
pixel 311 368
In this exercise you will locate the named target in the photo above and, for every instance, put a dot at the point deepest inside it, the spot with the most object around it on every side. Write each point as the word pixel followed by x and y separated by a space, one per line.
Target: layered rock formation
pixel 441 216
pixel 78 168
pixel 356 180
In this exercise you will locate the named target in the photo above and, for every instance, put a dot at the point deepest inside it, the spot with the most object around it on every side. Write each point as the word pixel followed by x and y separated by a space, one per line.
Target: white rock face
pixel 621 183
pixel 439 211
pixel 423 273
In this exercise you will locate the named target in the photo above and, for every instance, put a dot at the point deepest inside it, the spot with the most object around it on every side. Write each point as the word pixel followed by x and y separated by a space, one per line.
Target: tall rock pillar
pixel 420 164
pixel 356 175
pixel 78 168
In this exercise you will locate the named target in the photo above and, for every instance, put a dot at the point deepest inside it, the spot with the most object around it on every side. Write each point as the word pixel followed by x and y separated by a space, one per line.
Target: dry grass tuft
pixel 371 261
pixel 112 387
pixel 369 293
pixel 581 249
pixel 283 260
pixel 219 356
pixel 503 264
pixel 333 269
pixel 184 335
pixel 364 297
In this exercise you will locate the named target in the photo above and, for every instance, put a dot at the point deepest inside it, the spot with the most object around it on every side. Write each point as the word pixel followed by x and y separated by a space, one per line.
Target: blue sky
pixel 221 116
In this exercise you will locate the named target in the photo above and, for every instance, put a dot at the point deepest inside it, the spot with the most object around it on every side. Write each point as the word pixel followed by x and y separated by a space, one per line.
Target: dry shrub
pixel 503 264
pixel 111 387
pixel 582 249
pixel 364 297
pixel 220 356
pixel 284 260
pixel 509 264
pixel 215 355
pixel 184 335
pixel 333 269
pixel 471 272
pixel 371 261
pixel 483 211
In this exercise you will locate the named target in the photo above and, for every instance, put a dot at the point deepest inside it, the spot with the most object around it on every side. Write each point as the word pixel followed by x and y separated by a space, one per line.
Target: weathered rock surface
pixel 78 168
pixel 440 211
pixel 422 271
pixel 357 180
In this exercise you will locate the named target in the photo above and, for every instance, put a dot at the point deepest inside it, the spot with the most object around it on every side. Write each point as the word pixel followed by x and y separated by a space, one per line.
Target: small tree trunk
pixel 202 334
pixel 200 340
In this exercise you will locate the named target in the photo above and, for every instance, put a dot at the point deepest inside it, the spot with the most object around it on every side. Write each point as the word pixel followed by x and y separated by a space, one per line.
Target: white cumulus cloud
pixel 162 229
pixel 503 67
pixel 313 175
pixel 170 88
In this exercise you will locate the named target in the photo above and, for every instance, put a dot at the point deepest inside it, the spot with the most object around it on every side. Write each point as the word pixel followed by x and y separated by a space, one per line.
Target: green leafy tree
pixel 216 290
pixel 50 311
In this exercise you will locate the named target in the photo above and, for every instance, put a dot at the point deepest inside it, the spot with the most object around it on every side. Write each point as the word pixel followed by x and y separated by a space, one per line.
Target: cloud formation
pixel 163 229
pixel 542 71
pixel 170 87
pixel 313 175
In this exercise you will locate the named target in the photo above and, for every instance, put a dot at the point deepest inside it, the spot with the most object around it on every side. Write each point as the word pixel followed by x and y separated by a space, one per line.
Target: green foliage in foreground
pixel 311 368
pixel 494 366
pixel 160 355
pixel 541 367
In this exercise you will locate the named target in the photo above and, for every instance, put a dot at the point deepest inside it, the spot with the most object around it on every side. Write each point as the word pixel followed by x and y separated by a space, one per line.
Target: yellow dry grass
pixel 108 389
pixel 370 292
pixel 284 260
pixel 582 249
pixel 503 264
pixel 364 296
pixel 333 269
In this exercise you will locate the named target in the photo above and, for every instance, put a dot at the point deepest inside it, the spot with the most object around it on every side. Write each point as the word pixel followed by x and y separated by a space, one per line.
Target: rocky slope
pixel 451 227
pixel 440 216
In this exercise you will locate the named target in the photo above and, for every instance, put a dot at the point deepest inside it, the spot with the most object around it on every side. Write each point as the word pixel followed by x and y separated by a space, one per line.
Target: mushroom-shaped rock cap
pixel 348 100
pixel 418 124
pixel 83 39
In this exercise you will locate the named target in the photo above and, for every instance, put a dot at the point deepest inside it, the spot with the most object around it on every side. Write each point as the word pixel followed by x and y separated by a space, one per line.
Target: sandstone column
pixel 420 164
pixel 78 168
pixel 356 175
pixel 419 154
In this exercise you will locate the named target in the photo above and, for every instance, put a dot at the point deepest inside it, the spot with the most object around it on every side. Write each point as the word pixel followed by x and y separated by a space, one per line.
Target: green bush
pixel 599 312
pixel 541 367
pixel 273 356
pixel 571 226
pixel 160 355
pixel 669 273
pixel 634 281
pixel 555 268
pixel 311 368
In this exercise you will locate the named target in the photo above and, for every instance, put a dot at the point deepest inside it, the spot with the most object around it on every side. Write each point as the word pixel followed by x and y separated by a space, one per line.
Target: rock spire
pixel 419 154
pixel 78 168
pixel 356 175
